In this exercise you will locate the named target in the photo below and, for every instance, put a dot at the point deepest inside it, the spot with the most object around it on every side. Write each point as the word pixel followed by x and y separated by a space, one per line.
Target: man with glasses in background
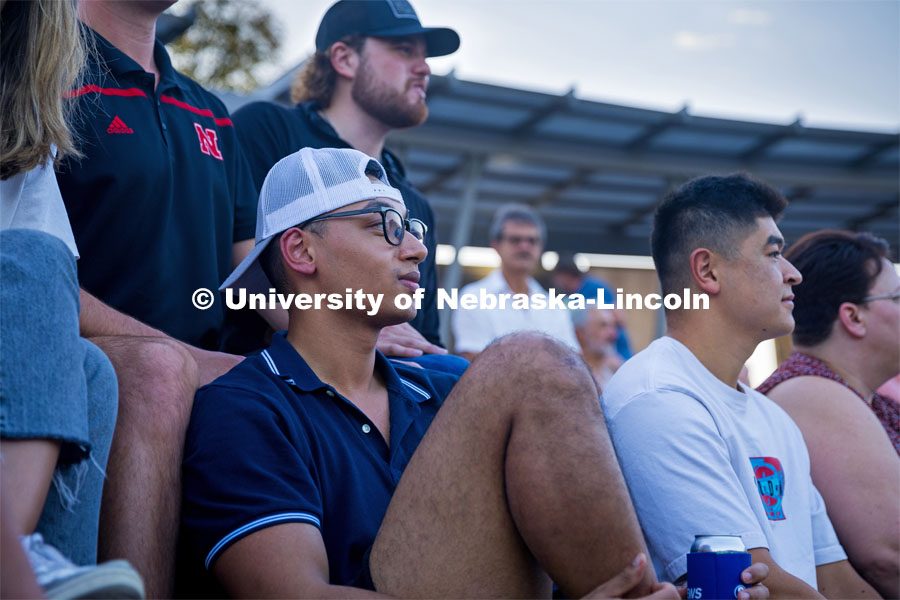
pixel 517 234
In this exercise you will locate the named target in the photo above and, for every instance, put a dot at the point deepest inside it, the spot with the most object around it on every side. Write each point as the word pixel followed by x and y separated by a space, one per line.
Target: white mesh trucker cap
pixel 304 185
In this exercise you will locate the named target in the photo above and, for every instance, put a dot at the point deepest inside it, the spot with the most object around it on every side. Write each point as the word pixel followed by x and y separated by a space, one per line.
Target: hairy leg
pixel 515 480
pixel 139 515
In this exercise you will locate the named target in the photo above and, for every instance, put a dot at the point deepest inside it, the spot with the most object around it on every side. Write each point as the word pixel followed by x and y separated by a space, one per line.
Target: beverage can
pixel 714 567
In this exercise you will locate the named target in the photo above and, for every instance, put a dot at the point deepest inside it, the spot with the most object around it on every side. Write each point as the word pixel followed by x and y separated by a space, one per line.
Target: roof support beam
pixel 756 152
pixel 646 138
pixel 540 115
pixel 549 196
pixel 463 230
pixel 867 159
pixel 676 166
pixel 881 210
pixel 443 177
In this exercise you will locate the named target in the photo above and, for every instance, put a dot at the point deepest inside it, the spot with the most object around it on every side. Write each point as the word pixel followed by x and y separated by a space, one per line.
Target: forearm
pixel 99 319
pixel 782 584
pixel 840 580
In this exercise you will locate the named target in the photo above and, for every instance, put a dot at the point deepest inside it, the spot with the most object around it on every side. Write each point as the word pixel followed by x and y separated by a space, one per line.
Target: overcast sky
pixel 833 64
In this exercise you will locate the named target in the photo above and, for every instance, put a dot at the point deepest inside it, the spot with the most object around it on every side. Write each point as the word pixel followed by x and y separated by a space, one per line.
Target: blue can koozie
pixel 715 575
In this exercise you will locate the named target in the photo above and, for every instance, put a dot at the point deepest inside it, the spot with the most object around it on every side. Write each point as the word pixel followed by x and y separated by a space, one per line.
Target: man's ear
pixel 344 60
pixel 703 265
pixel 852 319
pixel 295 251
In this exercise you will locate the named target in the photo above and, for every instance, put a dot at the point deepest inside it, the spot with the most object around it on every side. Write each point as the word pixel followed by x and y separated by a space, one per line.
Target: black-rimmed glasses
pixel 393 225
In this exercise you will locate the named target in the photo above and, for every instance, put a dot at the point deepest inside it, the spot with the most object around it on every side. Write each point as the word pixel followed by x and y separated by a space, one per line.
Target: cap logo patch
pixel 402 9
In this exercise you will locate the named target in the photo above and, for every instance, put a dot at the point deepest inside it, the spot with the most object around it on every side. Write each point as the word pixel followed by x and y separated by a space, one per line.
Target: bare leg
pixel 28 467
pixel 16 577
pixel 515 480
pixel 139 515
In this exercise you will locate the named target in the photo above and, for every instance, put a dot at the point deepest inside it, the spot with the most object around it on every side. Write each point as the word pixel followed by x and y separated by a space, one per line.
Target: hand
pixel 404 341
pixel 211 365
pixel 753 576
pixel 628 578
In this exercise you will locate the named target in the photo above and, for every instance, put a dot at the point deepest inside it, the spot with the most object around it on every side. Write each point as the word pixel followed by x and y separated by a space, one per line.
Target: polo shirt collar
pixel 497 283
pixel 311 109
pixel 285 362
pixel 120 63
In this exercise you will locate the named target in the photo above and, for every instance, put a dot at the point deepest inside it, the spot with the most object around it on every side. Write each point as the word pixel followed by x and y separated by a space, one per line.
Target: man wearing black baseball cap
pixel 387 18
pixel 367 77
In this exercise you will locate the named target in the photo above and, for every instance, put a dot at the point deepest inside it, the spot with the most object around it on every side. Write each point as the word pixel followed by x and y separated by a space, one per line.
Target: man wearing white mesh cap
pixel 293 460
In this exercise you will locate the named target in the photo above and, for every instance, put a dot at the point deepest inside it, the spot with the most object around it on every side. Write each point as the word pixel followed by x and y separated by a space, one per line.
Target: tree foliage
pixel 227 44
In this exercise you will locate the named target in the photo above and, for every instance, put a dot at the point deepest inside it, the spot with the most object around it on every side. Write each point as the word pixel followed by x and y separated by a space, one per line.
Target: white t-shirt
pixel 31 200
pixel 701 457
pixel 474 329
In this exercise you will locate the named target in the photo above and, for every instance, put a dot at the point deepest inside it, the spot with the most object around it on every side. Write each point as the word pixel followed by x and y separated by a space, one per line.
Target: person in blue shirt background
pixel 569 279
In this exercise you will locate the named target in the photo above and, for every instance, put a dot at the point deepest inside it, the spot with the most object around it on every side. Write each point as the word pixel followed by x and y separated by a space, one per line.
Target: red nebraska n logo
pixel 209 141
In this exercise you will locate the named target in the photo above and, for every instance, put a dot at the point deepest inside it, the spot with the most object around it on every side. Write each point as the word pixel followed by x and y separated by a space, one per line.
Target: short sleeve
pixel 244 470
pixel 263 136
pixel 826 546
pixel 32 200
pixel 680 477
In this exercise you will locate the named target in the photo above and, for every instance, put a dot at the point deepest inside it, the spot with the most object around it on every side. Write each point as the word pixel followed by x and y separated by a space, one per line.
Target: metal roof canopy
pixel 596 171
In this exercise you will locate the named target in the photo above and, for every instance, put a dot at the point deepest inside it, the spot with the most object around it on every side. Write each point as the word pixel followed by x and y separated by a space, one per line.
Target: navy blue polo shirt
pixel 270 443
pixel 269 132
pixel 162 192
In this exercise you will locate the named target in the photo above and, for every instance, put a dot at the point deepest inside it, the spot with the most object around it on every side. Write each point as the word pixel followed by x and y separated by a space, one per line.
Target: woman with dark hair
pixel 846 344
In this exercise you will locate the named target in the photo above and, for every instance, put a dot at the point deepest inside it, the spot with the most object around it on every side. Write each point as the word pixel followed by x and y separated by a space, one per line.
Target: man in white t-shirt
pixel 702 453
pixel 517 234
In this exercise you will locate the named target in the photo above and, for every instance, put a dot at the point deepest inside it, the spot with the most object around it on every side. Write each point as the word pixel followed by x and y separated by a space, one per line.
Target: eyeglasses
pixel 895 296
pixel 393 225
pixel 515 240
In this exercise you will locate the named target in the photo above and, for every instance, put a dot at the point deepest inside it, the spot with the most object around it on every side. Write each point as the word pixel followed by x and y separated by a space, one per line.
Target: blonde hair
pixel 41 57
pixel 316 79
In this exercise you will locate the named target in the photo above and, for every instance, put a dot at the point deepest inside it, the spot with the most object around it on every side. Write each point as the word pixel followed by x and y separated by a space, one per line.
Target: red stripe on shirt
pixel 105 91
pixel 199 111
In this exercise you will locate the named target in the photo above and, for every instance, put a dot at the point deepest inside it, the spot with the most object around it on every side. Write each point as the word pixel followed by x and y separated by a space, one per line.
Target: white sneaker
pixel 63 580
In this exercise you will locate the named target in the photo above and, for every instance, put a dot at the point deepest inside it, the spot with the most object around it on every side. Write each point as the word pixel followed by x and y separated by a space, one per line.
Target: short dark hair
pixel 566 264
pixel 837 267
pixel 714 212
pixel 273 266
pixel 272 263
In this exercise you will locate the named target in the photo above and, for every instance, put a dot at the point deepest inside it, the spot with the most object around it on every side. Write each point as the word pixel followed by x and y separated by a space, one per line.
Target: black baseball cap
pixel 381 18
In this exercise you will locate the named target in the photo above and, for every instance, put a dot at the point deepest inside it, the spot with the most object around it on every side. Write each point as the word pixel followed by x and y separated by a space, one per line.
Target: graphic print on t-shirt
pixel 770 482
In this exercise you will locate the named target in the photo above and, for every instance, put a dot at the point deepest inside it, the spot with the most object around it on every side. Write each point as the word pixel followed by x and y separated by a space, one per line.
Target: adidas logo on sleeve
pixel 118 126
